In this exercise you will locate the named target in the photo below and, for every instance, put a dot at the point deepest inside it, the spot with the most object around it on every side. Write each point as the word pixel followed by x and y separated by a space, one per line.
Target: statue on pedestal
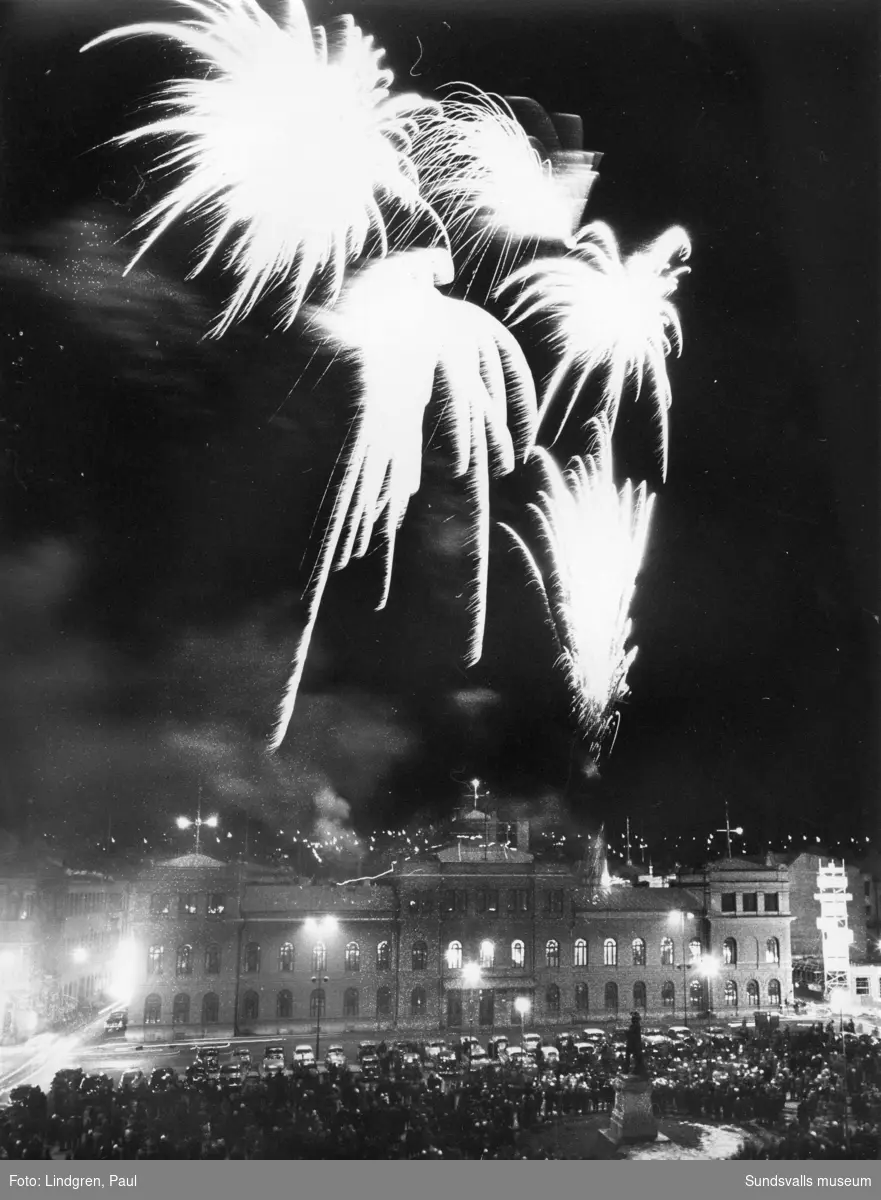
pixel 632 1117
pixel 633 1049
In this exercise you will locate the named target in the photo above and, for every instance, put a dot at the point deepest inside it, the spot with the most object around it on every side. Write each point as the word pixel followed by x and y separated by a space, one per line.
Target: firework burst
pixel 492 182
pixel 287 142
pixel 609 314
pixel 403 334
pixel 594 538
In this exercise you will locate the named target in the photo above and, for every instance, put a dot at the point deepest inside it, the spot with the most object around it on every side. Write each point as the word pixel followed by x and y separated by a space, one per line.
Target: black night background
pixel 160 489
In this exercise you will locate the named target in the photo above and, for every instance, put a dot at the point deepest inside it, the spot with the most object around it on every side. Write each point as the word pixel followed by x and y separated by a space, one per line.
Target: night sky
pixel 160 490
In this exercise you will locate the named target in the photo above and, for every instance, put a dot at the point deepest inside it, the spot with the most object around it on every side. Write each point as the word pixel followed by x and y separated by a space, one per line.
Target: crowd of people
pixel 798 1093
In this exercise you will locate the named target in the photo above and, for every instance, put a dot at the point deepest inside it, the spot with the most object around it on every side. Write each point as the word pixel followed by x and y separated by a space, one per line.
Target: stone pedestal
pixel 632 1117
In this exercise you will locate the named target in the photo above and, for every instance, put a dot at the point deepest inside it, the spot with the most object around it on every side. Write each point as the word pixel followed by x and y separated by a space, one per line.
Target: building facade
pixel 474 936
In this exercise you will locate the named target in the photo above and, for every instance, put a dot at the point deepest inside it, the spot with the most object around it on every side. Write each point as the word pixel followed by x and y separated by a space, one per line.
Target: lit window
pixel 667 954
pixel 454 956
pixel 153 1010
pixel 286 957
pixel 319 958
pixel 216 904
pixel 518 953
pixel 184 963
pixel 730 993
pixel 579 953
pixel 384 956
pixel 610 954
pixel 772 951
pixel 638 948
pixel 694 951
pixel 187 905
pixel 774 993
pixel 419 956
pixel 487 954
pixel 353 957
pixel 155 956
pixel 668 994
pixel 752 994
pixel 552 953
pixel 729 952
pixel 862 985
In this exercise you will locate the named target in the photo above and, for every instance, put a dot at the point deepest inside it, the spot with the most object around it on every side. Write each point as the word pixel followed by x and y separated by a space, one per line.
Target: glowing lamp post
pixel 196 823
pixel 522 1006
pixel 323 926
pixel 471 979
pixel 681 917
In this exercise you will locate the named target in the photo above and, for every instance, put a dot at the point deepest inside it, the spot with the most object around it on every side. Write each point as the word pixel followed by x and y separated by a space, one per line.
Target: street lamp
pixel 471 979
pixel 522 1005
pixel 684 966
pixel 324 926
pixel 196 823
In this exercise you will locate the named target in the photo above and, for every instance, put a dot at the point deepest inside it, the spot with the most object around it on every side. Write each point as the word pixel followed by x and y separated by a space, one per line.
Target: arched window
pixel 454 956
pixel 210 1008
pixel 284 1005
pixel 212 959
pixel 638 948
pixel 579 953
pixel 316 1003
pixel 610 953
pixel 252 958
pixel 752 994
pixel 552 953
pixel 518 953
pixel 582 1002
pixel 153 1009
pixel 668 994
pixel 419 956
pixel 319 958
pixel 552 1001
pixel 384 956
pixel 639 997
pixel 417 1002
pixel 774 993
pixel 667 952
pixel 694 950
pixel 610 997
pixel 353 956
pixel 383 1002
pixel 180 1010
pixel 486 955
pixel 729 952
pixel 730 993
pixel 184 961
pixel 350 1003
pixel 772 951
pixel 696 994
pixel 155 956
pixel 250 1006
pixel 286 957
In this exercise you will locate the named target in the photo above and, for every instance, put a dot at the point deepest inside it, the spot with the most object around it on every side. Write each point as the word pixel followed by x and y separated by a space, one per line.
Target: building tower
pixel 833 898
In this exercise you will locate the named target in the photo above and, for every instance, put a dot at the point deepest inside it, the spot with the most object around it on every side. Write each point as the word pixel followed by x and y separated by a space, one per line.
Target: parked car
pixel 497 1046
pixel 273 1059
pixel 655 1037
pixel 465 1044
pixel 550 1055
pixel 478 1059
pixel 594 1035
pixel 531 1041
pixel 370 1067
pixel 162 1079
pixel 434 1048
pixel 117 1021
pixel 93 1087
pixel 131 1079
pixel 231 1074
pixel 335 1059
pixel 584 1052
pixel 367 1050
pixel 304 1057
pixel 242 1056
pixel 210 1050
pixel 196 1074
pixel 447 1062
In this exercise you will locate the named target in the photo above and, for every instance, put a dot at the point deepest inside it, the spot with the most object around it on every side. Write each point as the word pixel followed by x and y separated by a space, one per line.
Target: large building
pixel 450 940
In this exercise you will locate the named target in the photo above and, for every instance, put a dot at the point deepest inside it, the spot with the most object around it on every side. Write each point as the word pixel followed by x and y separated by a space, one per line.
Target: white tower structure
pixel 833 897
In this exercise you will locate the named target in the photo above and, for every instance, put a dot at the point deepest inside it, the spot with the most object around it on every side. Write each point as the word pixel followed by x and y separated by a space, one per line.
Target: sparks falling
pixel 401 332
pixel 609 314
pixel 594 539
pixel 478 166
pixel 286 142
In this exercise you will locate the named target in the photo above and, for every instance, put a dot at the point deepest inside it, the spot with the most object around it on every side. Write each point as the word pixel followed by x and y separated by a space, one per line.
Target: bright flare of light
pixel 124 971
pixel 471 974
pixel 328 925
pixel 79 954
pixel 212 821
pixel 284 141
pixel 183 822
pixel 402 332
pixel 709 967
pixel 609 314
pixel 522 1005
pixel 479 167
pixel 594 538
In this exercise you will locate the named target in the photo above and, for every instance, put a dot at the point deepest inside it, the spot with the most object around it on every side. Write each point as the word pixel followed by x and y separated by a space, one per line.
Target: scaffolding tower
pixel 833 897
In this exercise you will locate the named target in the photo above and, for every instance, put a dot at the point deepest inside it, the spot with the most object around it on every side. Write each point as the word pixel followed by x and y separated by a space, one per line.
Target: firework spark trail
pixel 403 334
pixel 594 537
pixel 287 145
pixel 609 314
pixel 477 164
